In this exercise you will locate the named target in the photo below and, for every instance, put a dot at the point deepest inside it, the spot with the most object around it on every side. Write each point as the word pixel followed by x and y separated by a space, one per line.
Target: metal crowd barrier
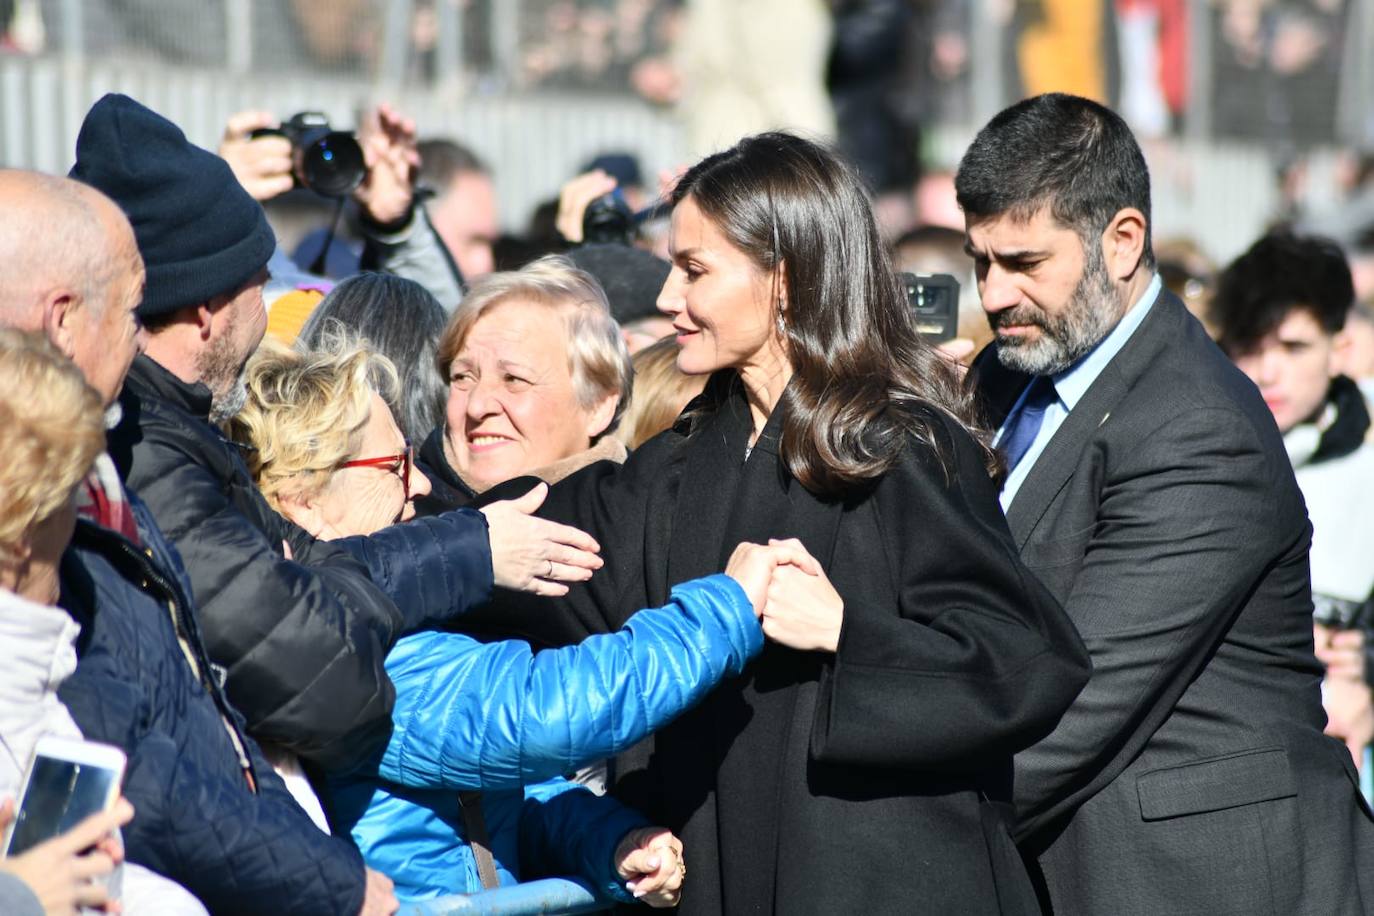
pixel 534 142
pixel 551 895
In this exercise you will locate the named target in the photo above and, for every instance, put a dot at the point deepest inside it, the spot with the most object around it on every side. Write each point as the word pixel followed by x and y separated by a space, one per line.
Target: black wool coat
pixel 870 781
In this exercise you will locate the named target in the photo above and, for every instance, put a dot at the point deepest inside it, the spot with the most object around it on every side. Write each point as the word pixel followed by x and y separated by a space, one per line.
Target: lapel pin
pixel 1104 418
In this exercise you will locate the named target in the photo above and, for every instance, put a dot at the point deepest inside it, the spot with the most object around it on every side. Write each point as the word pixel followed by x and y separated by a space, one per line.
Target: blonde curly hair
pixel 661 391
pixel 52 427
pixel 306 411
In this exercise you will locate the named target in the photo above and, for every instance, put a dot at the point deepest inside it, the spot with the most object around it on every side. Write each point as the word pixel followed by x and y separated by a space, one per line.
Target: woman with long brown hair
pixel 862 762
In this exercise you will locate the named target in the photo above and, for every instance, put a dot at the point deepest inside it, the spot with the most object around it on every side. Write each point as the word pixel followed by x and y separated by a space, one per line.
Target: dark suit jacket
pixel 1191 775
pixel 864 782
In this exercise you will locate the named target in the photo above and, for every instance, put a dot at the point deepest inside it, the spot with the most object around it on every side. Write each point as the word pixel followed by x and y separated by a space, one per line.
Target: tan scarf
pixel 609 448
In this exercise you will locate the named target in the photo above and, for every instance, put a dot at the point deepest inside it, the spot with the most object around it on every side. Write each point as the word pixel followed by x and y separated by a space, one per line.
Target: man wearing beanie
pixel 209 812
pixel 302 645
pixel 302 640
pixel 632 279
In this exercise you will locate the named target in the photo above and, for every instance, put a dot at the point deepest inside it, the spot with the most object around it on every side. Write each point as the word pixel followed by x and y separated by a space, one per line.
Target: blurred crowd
pixel 1279 72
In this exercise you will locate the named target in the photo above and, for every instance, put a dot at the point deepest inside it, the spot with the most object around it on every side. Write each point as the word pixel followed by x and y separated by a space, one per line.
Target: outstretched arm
pixel 497 715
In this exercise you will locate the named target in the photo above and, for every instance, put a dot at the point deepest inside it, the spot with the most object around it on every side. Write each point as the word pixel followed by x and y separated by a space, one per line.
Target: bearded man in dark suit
pixel 1148 488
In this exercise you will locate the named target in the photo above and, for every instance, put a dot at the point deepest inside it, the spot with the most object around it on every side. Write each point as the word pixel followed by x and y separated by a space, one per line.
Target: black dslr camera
pixel 327 161
pixel 608 220
pixel 934 300
pixel 1339 613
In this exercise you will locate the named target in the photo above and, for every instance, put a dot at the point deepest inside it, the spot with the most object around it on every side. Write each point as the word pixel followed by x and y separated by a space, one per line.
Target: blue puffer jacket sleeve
pixel 567 830
pixel 489 716
pixel 432 568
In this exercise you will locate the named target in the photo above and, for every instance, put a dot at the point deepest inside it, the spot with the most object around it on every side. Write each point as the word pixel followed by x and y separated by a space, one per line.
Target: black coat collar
pixel 447 489
pixel 725 497
pixel 148 379
pixel 1351 425
pixel 149 388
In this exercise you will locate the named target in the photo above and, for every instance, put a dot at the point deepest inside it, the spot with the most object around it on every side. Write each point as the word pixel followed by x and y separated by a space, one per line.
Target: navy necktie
pixel 1021 431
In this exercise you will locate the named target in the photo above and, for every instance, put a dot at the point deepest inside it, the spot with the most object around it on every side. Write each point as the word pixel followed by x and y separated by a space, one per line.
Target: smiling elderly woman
pixel 538 378
pixel 328 455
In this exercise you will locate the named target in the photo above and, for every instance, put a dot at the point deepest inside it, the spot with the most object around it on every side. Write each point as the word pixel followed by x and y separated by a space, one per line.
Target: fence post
pixel 1198 113
pixel 238 32
pixel 505 39
pixel 986 54
pixel 448 49
pixel 391 69
pixel 1355 95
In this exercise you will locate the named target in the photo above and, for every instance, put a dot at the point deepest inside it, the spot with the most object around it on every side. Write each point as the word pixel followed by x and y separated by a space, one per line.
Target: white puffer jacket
pixel 40 653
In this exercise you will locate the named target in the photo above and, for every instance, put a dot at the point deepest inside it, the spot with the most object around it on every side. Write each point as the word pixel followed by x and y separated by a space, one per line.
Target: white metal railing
pixel 533 142
pixel 1221 194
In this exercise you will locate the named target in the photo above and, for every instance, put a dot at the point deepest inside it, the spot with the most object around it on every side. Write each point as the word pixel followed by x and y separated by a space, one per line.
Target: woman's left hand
pixel 803 611
pixel 651 859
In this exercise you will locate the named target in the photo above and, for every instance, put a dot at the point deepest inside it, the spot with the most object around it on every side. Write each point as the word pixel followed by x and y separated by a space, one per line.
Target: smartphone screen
pixel 934 301
pixel 60 794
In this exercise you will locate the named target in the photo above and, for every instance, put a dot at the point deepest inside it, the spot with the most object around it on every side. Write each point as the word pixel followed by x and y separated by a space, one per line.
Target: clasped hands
pixel 796 604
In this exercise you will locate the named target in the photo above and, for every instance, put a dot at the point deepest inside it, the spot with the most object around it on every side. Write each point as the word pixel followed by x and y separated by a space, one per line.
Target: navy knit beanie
pixel 200 233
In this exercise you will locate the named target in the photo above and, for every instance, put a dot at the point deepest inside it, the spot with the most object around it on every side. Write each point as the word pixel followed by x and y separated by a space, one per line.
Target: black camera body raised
pixel 327 161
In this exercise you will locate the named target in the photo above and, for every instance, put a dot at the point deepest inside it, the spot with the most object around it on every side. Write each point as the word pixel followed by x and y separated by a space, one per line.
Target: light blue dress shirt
pixel 1070 386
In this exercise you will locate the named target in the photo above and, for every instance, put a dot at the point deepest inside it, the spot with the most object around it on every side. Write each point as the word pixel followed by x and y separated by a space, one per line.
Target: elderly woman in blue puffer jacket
pixel 493 717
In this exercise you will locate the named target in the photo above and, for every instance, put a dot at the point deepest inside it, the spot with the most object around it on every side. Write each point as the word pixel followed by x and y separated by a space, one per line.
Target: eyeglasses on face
pixel 399 464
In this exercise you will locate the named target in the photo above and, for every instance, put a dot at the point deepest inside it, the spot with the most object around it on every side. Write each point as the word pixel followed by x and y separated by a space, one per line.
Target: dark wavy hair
pixel 1280 273
pixel 1068 153
pixel 861 372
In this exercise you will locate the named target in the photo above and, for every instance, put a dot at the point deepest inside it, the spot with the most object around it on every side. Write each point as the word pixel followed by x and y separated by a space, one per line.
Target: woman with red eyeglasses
pixel 483 731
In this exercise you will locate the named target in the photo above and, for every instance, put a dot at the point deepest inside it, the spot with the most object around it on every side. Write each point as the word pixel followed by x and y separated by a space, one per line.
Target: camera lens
pixel 332 165
pixel 607 220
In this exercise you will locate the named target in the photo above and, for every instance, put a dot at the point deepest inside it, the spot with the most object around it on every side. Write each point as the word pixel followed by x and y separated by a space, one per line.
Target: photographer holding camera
pixel 596 221
pixel 375 170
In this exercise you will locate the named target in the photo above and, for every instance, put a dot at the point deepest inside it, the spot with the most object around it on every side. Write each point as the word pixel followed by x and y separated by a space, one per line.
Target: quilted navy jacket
pixel 497 716
pixel 199 820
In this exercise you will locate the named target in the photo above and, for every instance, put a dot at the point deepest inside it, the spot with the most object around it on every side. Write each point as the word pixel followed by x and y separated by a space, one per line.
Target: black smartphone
pixel 934 300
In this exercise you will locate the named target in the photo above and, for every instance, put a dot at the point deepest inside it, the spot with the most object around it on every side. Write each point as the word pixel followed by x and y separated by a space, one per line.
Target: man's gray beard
pixel 1092 312
pixel 226 405
pixel 223 371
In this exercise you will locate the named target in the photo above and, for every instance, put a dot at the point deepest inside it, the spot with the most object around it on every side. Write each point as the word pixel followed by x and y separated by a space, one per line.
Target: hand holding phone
pixel 62 872
pixel 67 780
